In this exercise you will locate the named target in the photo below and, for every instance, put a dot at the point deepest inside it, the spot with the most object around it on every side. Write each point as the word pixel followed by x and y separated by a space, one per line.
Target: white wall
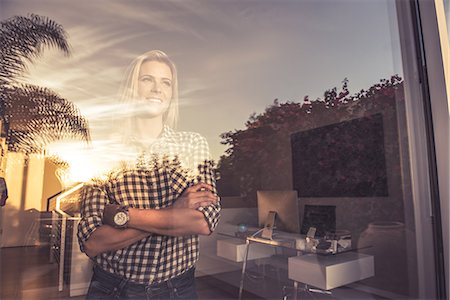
pixel 20 215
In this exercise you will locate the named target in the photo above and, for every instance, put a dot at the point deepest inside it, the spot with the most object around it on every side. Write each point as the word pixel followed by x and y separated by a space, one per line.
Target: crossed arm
pixel 181 219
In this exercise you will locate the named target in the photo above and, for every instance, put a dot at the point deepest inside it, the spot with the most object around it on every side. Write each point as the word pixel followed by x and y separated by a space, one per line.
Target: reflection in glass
pixel 255 74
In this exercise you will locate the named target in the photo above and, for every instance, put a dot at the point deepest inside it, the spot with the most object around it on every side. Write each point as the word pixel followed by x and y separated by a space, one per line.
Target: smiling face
pixel 154 88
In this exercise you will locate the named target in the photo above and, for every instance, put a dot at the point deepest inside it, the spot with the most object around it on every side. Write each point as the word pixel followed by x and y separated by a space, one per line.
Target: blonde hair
pixel 130 84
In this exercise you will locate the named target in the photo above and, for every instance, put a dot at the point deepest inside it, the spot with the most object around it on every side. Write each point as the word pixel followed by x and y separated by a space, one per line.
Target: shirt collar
pixel 165 135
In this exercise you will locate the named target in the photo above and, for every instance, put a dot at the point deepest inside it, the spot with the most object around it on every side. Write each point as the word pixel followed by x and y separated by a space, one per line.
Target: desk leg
pixel 295 290
pixel 244 265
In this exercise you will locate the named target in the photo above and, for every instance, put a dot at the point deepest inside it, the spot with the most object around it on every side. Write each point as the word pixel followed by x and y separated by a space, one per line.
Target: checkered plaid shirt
pixel 153 183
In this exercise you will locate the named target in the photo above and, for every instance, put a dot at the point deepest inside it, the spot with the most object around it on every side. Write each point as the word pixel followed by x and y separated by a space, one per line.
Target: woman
pixel 141 225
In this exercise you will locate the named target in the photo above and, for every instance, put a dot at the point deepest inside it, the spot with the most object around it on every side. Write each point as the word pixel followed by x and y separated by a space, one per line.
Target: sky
pixel 234 57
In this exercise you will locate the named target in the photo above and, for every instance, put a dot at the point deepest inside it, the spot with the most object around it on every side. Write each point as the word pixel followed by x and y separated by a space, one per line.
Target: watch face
pixel 120 218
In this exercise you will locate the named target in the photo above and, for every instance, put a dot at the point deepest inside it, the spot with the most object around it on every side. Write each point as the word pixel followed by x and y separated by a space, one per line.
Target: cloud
pixel 158 16
pixel 234 57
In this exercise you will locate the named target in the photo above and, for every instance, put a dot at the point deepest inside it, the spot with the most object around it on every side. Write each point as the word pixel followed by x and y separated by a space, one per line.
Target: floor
pixel 270 281
pixel 25 273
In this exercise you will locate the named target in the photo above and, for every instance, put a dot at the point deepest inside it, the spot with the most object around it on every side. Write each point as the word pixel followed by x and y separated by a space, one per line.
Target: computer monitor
pixel 285 204
pixel 321 217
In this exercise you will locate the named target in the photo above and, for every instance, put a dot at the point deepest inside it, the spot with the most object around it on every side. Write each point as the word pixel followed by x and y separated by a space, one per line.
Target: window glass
pixel 303 107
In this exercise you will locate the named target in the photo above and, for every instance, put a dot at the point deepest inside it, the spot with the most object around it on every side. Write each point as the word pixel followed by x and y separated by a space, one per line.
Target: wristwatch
pixel 116 216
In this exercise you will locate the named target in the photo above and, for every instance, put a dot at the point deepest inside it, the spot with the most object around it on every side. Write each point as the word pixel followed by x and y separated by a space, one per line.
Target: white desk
pixel 281 241
pixel 331 271
pixel 322 271
pixel 234 249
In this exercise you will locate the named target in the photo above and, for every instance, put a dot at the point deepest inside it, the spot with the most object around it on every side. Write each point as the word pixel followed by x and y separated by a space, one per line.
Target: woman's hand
pixel 196 196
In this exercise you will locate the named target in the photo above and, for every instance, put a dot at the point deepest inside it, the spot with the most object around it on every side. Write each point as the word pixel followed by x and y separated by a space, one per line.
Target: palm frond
pixel 37 116
pixel 22 39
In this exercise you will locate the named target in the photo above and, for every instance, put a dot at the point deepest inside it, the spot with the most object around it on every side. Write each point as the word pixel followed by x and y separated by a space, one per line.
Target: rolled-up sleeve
pixel 206 174
pixel 93 200
pixel 212 215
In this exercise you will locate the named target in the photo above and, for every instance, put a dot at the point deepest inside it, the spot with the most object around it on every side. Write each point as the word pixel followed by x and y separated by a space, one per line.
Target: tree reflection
pixel 259 157
pixel 33 116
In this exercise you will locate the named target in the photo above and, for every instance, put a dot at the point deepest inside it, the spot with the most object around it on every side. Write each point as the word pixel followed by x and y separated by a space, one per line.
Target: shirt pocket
pixel 158 186
pixel 178 183
pixel 138 189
